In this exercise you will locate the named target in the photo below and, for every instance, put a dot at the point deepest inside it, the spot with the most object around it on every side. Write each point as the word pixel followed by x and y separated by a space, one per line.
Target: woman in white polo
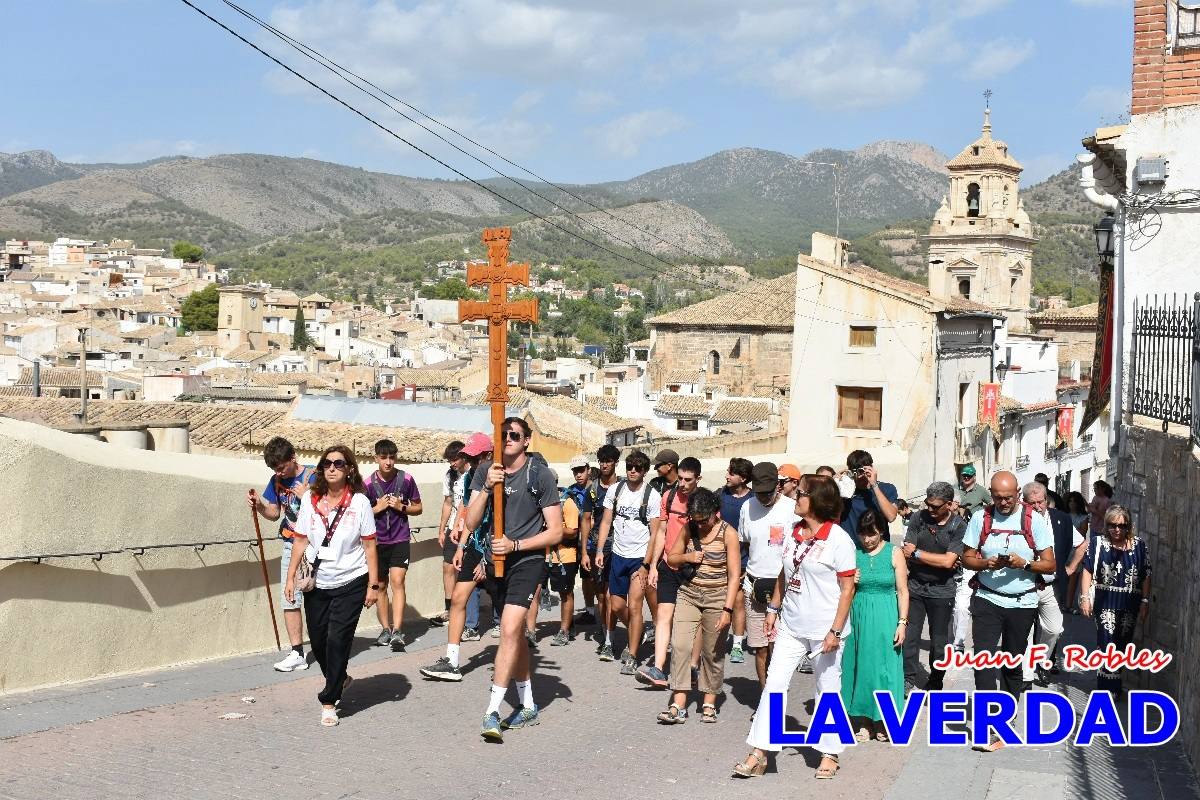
pixel 809 612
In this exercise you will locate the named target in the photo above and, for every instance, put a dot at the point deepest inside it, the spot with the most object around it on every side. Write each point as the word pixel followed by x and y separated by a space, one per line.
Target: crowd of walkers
pixel 799 569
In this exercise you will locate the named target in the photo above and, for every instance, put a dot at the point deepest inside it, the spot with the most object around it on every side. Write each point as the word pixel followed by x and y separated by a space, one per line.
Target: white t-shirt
pixel 348 560
pixel 811 595
pixel 455 493
pixel 765 529
pixel 630 538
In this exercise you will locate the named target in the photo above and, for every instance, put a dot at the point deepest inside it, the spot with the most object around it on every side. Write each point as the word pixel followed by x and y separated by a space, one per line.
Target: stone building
pixel 742 340
pixel 981 241
pixel 239 314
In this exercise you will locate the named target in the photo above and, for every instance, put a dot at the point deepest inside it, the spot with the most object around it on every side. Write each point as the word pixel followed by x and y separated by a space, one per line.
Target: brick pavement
pixel 403 736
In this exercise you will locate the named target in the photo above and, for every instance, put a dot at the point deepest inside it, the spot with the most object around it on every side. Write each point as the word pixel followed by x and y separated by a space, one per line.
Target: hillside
pixel 29 170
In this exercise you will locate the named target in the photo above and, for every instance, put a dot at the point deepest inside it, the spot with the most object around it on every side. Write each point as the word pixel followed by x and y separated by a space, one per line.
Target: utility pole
pixel 83 392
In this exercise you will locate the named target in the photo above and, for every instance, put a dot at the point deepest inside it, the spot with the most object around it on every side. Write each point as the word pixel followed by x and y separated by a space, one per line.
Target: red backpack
pixel 1026 532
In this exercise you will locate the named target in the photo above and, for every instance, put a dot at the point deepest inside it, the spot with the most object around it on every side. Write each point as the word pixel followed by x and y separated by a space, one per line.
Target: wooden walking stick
pixel 262 560
pixel 498 274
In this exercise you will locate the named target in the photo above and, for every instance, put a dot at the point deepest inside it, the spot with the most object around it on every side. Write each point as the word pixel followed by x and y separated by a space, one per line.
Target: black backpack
pixel 642 516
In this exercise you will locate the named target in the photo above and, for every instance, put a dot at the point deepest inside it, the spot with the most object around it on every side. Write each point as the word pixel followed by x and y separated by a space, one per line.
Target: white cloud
pixel 592 101
pixel 1106 100
pixel 997 57
pixel 842 75
pixel 624 136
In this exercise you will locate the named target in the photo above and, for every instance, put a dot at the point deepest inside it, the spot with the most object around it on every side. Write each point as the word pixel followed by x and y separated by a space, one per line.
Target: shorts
pixel 621 573
pixel 522 577
pixel 392 556
pixel 562 576
pixel 448 550
pixel 756 615
pixel 471 559
pixel 285 563
pixel 669 581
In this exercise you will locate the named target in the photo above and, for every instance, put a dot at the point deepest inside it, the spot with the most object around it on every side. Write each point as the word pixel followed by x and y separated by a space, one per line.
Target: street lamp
pixel 1104 238
pixel 1001 370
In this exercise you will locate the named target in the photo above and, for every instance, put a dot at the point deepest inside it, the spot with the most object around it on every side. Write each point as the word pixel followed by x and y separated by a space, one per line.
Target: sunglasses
pixel 700 517
pixel 1119 526
pixel 337 463
pixel 631 468
pixel 802 493
pixel 514 436
pixel 935 506
pixel 782 481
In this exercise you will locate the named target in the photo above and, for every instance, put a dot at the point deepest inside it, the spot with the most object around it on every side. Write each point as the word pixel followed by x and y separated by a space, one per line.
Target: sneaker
pixel 531 637
pixel 495 631
pixel 652 676
pixel 561 638
pixel 585 618
pixel 442 670
pixel 737 655
pixel 805 667
pixel 441 619
pixel 491 728
pixel 521 718
pixel 291 662
pixel 648 636
pixel 397 642
pixel 960 648
pixel 627 667
pixel 626 655
pixel 384 638
pixel 470 635
pixel 606 653
pixel 994 743
pixel 544 603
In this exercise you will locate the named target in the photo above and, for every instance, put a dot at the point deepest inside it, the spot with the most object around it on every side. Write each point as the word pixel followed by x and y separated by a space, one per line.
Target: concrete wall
pixel 1158 479
pixel 75 619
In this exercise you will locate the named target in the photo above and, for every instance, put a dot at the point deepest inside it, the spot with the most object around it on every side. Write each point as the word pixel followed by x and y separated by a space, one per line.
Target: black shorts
pixel 392 556
pixel 471 559
pixel 562 577
pixel 448 550
pixel 668 583
pixel 522 577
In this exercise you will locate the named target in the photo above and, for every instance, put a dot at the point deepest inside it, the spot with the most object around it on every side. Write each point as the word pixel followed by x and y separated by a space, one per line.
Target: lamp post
pixel 1001 371
pixel 1104 230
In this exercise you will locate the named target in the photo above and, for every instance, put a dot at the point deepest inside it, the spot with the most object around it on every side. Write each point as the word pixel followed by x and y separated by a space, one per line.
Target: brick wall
pixel 1158 480
pixel 1162 76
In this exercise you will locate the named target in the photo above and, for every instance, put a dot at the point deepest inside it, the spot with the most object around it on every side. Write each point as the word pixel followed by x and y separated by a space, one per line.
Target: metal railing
pixel 1022 462
pixel 1163 371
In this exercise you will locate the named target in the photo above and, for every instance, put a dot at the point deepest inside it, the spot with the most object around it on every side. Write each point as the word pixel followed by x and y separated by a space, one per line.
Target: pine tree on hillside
pixel 300 339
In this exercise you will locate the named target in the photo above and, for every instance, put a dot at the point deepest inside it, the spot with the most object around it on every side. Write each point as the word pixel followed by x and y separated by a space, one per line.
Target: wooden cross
pixel 499 275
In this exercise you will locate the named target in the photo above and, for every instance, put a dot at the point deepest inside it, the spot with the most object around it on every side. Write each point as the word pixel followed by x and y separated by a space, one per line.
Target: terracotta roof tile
pixel 1084 314
pixel 770 306
pixel 414 446
pixel 682 405
pixel 730 411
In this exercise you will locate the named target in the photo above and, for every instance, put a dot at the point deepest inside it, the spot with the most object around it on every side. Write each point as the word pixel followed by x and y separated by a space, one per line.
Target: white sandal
pixel 329 717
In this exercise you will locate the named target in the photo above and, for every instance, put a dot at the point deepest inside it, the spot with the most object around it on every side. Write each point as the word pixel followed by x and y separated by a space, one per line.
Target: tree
pixel 300 339
pixel 199 309
pixel 616 346
pixel 187 251
pixel 451 289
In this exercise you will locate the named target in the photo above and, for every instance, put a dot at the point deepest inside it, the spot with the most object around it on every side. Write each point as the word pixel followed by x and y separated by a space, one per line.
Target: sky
pixel 577 91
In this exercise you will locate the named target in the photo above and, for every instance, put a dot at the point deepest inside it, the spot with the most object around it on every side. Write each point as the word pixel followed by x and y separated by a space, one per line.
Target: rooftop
pixel 985 152
pixel 682 405
pixel 745 411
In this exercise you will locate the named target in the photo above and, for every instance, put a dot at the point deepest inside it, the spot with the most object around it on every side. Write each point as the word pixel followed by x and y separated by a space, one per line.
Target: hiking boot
pixel 561 638
pixel 544 603
pixel 384 638
pixel 397 642
pixel 490 729
pixel 805 667
pixel 521 718
pixel 606 653
pixel 737 655
pixel 442 670
pixel 626 655
pixel 652 676
pixel 627 667
pixel 291 662
pixel 470 635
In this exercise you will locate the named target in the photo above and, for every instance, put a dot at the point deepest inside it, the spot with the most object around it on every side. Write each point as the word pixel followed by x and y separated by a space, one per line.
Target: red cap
pixel 478 443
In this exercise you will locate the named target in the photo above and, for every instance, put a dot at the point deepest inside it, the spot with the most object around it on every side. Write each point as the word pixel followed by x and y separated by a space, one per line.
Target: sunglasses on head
pixel 514 436
pixel 336 463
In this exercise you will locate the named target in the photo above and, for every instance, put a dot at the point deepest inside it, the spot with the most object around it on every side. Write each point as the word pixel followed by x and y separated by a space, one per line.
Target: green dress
pixel 870 662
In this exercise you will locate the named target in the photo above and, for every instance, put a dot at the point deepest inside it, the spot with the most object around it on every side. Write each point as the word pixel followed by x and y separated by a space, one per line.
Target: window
pixel 674 387
pixel 860 408
pixel 551 374
pixel 687 424
pixel 714 362
pixel 973 200
pixel 963 388
pixel 964 287
pixel 862 335
pixel 1187 25
pixel 708 395
pixel 1012 292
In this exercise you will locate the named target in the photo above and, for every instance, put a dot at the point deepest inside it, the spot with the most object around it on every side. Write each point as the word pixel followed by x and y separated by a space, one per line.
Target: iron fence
pixel 1163 369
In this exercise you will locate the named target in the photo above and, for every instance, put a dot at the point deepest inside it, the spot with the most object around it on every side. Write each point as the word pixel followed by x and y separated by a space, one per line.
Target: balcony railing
pixel 1022 462
pixel 1163 373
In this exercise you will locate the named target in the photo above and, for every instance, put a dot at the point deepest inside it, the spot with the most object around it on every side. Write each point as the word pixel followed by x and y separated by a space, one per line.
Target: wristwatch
pixel 1028 567
pixel 376 586
pixel 836 632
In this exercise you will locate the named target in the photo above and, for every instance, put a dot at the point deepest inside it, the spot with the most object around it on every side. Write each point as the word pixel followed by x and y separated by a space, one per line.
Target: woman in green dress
pixel 874 656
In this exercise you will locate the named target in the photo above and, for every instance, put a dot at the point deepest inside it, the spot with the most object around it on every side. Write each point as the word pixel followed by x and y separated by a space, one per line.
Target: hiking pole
pixel 262 560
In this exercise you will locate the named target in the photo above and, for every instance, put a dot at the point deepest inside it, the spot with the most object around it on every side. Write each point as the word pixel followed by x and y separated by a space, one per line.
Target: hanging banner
pixel 1066 427
pixel 1102 357
pixel 989 407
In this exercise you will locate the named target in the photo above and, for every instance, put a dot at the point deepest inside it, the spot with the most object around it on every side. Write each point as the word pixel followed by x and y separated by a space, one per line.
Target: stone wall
pixel 1158 479
pixel 750 357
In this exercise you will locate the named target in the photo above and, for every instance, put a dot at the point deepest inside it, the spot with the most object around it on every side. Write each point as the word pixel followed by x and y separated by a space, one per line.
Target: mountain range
pixel 743 205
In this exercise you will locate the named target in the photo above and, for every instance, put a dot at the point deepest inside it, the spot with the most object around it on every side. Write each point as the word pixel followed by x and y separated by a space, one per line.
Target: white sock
pixel 452 654
pixel 525 692
pixel 737 641
pixel 591 610
pixel 608 636
pixel 497 697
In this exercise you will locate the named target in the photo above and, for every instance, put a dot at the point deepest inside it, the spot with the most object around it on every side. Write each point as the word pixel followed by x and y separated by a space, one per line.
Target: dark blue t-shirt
pixel 731 506
pixel 862 501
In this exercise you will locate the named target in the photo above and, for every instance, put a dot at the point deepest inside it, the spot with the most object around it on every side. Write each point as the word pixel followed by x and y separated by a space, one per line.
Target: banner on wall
pixel 989 407
pixel 1066 427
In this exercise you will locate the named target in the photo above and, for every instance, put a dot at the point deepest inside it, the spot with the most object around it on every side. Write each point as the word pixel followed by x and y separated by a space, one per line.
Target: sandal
pixel 674 715
pixel 329 717
pixel 863 734
pixel 753 767
pixel 825 773
pixel 881 735
pixel 708 713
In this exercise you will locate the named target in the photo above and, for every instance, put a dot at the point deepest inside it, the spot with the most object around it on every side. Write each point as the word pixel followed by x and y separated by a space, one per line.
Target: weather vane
pixel 987 98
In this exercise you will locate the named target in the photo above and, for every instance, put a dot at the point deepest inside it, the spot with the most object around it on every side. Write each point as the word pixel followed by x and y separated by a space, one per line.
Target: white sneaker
pixel 291 662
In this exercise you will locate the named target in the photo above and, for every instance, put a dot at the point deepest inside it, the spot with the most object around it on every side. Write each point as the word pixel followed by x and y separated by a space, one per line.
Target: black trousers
pixel 332 616
pixel 939 610
pixel 1005 629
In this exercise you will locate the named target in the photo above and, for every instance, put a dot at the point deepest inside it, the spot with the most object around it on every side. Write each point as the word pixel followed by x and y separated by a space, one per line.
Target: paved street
pixel 160 734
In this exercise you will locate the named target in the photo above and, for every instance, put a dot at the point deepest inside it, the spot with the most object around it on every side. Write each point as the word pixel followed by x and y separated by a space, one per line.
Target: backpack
pixel 1026 532
pixel 642 516
pixel 375 480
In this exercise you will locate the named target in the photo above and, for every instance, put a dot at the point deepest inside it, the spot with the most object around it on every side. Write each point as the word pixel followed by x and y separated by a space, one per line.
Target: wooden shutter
pixel 862 335
pixel 860 408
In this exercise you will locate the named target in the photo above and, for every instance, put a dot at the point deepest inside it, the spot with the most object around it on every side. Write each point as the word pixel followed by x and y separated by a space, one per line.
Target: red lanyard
pixel 341 507
pixel 823 533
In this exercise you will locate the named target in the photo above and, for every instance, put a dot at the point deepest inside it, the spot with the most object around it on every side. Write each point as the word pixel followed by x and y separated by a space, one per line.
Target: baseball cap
pixel 764 477
pixel 476 444
pixel 789 471
pixel 968 471
pixel 578 461
pixel 666 457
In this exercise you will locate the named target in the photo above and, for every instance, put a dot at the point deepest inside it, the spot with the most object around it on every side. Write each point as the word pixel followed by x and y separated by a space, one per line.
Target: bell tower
pixel 981 241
